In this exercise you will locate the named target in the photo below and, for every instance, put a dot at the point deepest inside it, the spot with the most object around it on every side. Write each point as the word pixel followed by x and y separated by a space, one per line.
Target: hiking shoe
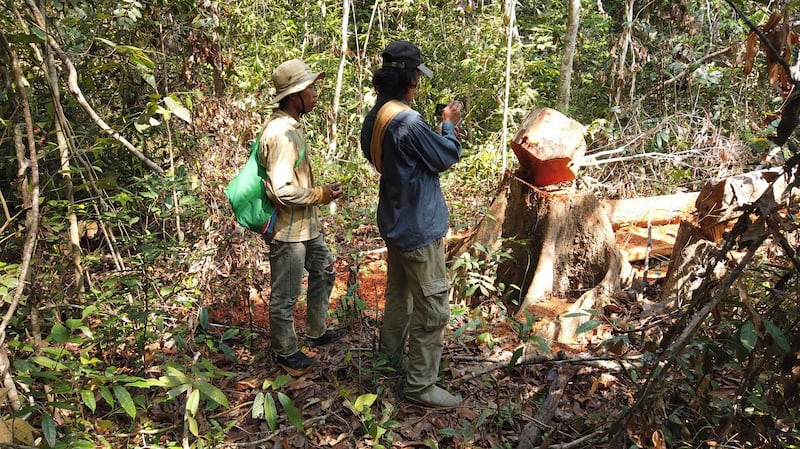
pixel 434 397
pixel 329 336
pixel 296 362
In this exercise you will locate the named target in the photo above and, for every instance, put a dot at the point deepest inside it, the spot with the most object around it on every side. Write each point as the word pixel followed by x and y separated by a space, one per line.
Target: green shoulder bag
pixel 247 194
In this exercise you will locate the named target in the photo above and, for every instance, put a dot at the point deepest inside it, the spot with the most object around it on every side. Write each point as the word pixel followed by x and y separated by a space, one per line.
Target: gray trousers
pixel 288 261
pixel 416 312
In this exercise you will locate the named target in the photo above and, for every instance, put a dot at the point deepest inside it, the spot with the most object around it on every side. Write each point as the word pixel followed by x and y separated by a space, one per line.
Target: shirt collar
pixel 281 114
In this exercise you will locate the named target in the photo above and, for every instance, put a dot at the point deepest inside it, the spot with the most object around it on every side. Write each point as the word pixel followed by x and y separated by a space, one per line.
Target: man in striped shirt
pixel 296 245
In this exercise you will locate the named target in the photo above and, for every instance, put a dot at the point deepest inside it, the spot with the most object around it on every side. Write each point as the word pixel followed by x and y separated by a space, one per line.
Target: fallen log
pixel 652 210
pixel 532 432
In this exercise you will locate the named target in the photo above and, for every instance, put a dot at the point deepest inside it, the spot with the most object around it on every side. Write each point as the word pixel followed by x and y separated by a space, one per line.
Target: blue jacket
pixel 412 212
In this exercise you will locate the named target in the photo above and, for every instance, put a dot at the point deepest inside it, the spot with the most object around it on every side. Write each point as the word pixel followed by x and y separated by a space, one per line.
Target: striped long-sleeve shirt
pixel 285 156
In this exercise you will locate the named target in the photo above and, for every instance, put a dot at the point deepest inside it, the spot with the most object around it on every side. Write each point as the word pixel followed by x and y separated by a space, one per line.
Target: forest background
pixel 123 274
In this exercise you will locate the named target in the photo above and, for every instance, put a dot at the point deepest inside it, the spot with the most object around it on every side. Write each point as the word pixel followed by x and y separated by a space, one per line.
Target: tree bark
pixel 28 172
pixel 65 144
pixel 624 45
pixel 571 38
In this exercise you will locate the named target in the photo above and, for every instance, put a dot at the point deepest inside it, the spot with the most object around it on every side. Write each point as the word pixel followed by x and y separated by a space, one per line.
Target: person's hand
pixel 330 192
pixel 452 112
pixel 335 189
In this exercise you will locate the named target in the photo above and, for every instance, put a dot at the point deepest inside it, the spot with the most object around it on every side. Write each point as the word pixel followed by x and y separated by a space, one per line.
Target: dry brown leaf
pixel 658 440
pixel 6 437
pixel 16 430
pixel 23 432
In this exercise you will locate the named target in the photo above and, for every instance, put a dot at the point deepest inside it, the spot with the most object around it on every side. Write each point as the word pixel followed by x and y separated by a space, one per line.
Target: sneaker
pixel 434 397
pixel 296 362
pixel 329 336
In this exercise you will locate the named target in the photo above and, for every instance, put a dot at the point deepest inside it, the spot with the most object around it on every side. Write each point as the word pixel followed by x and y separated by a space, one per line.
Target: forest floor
pixel 480 340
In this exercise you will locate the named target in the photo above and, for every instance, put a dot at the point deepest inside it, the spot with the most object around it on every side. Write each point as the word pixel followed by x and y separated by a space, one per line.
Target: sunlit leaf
pixel 192 425
pixel 193 402
pixel 89 400
pixel 270 412
pixel 213 393
pixel 176 107
pixel 125 400
pixel 364 402
pixel 257 412
pixel 49 363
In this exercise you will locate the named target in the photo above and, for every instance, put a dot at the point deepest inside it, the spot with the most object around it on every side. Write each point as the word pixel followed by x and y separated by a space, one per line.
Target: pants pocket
pixel 438 307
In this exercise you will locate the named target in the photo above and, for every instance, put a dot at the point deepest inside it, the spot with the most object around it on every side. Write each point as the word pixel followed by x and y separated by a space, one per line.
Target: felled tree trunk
pixel 651 210
pixel 564 245
pixel 719 204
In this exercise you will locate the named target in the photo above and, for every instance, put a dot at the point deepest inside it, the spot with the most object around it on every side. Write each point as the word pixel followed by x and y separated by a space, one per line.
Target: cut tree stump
pixel 563 245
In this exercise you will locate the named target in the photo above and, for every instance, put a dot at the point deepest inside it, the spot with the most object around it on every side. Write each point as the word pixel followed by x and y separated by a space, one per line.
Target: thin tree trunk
pixel 64 146
pixel 29 173
pixel 511 12
pixel 625 42
pixel 339 76
pixel 573 24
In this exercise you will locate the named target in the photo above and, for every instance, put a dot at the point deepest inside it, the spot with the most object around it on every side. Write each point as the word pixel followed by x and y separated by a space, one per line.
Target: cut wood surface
pixel 633 241
pixel 549 146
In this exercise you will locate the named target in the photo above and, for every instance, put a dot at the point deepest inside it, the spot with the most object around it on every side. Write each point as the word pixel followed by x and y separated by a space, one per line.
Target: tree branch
pixel 72 83
pixel 764 40
pixel 30 192
pixel 685 70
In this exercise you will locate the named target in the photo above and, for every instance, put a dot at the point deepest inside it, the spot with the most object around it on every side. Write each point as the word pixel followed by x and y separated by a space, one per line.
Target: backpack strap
pixel 385 115
pixel 256 146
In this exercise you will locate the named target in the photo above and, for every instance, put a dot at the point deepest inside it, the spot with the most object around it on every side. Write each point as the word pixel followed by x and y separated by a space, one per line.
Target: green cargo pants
pixel 416 312
pixel 288 261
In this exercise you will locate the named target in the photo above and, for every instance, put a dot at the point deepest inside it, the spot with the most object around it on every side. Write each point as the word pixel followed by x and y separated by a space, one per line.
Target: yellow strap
pixel 385 115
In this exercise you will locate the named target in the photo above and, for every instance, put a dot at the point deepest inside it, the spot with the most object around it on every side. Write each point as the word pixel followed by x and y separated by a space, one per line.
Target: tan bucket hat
pixel 292 77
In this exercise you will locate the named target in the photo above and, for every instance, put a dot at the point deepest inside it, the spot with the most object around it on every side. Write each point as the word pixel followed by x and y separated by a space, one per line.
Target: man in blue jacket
pixel 413 220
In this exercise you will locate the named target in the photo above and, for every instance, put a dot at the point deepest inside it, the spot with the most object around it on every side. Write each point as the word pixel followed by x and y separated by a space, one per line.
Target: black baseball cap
pixel 404 55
